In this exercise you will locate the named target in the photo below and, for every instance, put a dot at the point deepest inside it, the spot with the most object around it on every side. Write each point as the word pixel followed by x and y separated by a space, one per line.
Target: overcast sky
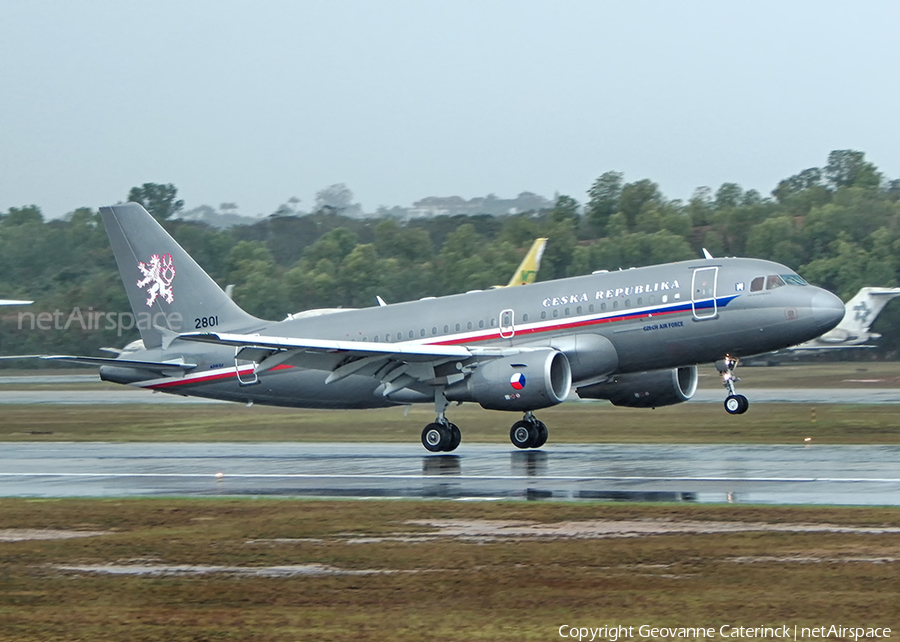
pixel 257 102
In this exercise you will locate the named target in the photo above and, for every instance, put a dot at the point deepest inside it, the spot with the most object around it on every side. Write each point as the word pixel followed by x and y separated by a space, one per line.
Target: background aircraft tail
pixel 862 309
pixel 166 288
pixel 528 268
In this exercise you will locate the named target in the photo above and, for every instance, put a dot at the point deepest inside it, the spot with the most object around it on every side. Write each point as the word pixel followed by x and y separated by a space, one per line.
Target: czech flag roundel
pixel 517 381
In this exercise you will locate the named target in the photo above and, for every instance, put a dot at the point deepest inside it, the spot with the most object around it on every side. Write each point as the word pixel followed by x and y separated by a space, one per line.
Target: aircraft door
pixel 247 378
pixel 703 293
pixel 507 324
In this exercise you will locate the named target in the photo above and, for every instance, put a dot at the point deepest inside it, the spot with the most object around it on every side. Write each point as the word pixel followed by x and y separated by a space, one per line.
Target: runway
pixel 684 473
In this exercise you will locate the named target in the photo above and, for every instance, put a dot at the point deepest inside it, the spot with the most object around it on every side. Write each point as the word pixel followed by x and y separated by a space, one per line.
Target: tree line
pixel 836 225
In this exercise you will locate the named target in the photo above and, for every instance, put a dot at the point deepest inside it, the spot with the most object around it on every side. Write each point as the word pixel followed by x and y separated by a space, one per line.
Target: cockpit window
pixel 774 281
pixel 793 279
pixel 756 285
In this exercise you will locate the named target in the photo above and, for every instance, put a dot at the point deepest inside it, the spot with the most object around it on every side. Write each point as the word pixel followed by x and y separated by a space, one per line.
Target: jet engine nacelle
pixel 526 381
pixel 646 389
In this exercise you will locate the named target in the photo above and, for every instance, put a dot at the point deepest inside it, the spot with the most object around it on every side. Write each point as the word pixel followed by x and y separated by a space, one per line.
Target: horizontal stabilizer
pixel 157 366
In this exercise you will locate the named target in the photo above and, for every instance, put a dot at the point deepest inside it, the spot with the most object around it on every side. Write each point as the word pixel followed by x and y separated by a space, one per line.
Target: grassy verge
pixel 569 423
pixel 404 586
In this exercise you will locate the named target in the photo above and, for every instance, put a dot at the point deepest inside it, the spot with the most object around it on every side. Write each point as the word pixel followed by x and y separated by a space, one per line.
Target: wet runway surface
pixel 807 474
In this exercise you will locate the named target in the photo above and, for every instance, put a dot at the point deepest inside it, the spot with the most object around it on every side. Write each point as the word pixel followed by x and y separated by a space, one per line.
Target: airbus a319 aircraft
pixel 633 337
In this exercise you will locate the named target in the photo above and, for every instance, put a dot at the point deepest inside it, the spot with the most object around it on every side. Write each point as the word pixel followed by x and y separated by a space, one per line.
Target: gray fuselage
pixel 650 318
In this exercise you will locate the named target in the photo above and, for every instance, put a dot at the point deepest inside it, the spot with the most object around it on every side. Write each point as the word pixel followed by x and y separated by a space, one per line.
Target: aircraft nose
pixel 827 310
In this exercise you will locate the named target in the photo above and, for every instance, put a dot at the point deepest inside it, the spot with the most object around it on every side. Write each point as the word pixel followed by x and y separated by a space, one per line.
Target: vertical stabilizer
pixel 528 268
pixel 165 286
pixel 862 309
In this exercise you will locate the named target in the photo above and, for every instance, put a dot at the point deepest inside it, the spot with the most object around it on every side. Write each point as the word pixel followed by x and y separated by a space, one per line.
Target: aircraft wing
pixel 412 352
pixel 14 302
pixel 396 364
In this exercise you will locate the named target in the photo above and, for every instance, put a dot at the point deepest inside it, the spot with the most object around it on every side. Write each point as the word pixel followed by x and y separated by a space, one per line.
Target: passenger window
pixel 399 336
pixel 493 322
pixel 469 325
pixel 578 310
pixel 376 339
pixel 446 329
pixel 615 305
pixel 567 311
pixel 627 303
pixel 422 332
pixel 434 331
pixel 555 313
pixel 757 284
pixel 774 281
pixel 481 324
pixel 603 307
pixel 544 315
pixel 591 307
pixel 524 318
pixel 640 300
pixel 457 327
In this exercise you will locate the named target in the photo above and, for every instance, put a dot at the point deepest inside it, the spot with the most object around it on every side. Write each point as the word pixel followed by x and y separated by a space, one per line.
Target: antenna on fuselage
pixel 706 254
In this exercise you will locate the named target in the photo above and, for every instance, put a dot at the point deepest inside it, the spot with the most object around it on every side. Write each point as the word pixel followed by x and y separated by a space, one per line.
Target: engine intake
pixel 526 381
pixel 646 389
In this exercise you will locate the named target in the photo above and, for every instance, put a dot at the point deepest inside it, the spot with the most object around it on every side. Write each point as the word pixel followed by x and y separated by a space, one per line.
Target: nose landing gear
pixel 735 404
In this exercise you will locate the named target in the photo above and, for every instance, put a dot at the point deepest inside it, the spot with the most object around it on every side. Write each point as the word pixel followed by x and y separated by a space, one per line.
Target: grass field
pixel 569 423
pixel 421 570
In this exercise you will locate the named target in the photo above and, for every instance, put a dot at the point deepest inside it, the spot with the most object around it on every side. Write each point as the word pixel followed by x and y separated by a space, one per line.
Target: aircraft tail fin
pixel 528 268
pixel 167 289
pixel 862 309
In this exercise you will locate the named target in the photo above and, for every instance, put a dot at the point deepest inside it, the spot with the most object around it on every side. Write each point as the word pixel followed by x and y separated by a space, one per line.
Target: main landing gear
pixel 528 433
pixel 441 435
pixel 735 404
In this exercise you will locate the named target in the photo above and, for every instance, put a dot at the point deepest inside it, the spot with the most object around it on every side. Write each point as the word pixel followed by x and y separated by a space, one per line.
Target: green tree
pixel 635 196
pixel 848 168
pixel 157 199
pixel 603 201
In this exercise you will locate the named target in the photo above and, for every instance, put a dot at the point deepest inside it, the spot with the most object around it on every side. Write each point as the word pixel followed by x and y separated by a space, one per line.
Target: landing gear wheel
pixel 736 404
pixel 523 434
pixel 455 438
pixel 436 437
pixel 543 433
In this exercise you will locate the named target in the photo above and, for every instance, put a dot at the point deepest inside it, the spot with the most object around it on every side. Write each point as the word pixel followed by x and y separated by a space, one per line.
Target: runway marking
pixel 451 477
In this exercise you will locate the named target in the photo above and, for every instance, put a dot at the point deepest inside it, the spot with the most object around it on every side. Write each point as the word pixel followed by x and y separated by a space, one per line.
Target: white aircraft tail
pixel 862 309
